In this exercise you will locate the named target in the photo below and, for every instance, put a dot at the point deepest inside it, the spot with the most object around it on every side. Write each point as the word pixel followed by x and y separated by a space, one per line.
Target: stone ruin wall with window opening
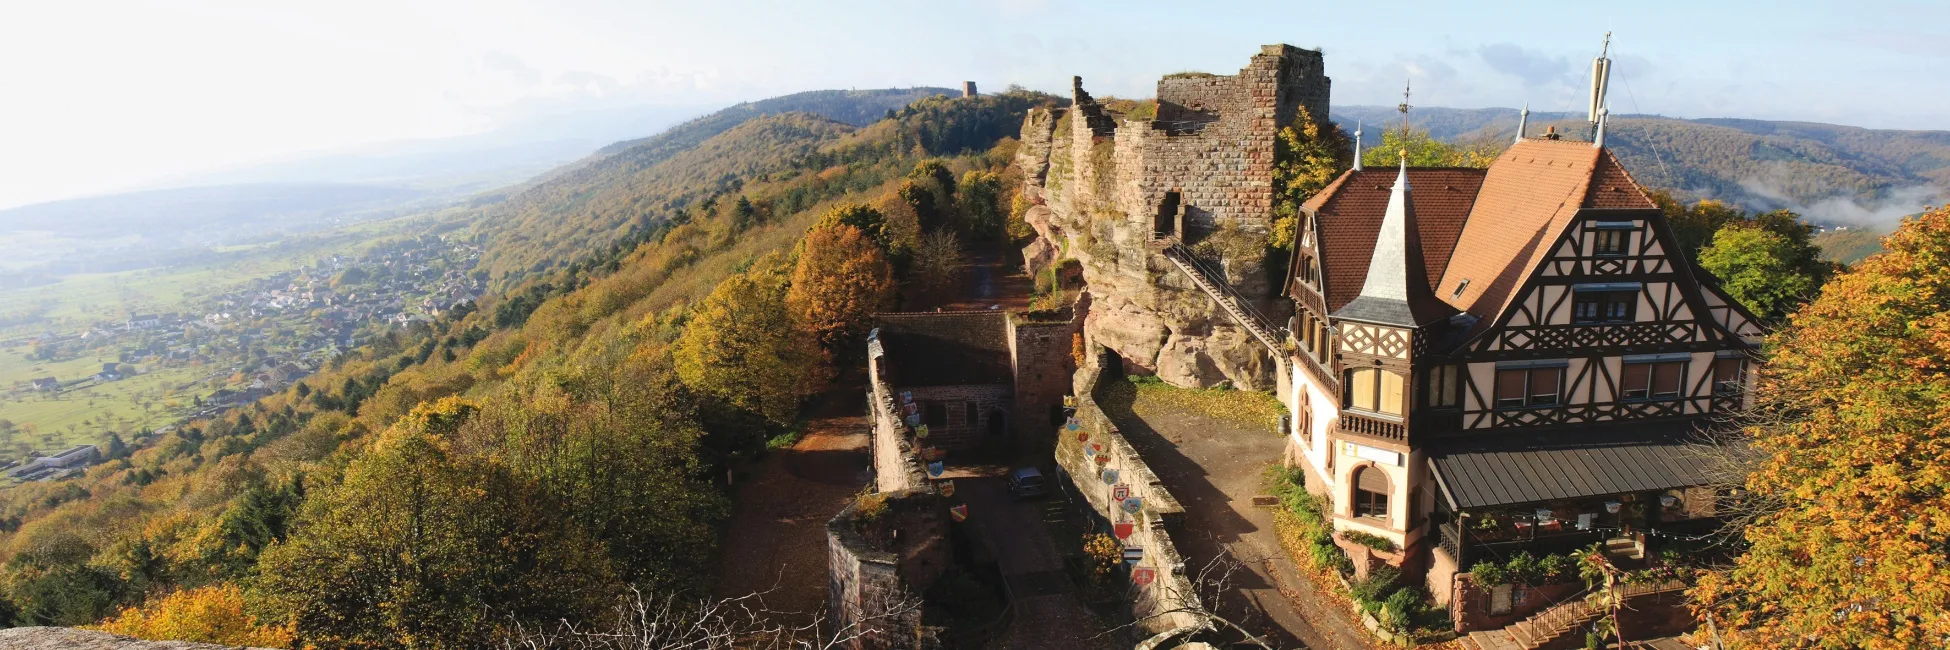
pixel 1098 184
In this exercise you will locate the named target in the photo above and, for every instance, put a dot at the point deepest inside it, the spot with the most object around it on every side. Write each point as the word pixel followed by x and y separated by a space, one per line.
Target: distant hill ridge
pixel 1830 173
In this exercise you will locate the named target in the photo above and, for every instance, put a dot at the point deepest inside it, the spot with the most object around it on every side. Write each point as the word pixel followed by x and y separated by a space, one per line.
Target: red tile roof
pixel 1612 188
pixel 1350 211
pixel 1529 195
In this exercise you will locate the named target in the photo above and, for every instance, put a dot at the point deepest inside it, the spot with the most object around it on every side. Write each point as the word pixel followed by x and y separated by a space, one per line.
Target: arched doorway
pixel 998 423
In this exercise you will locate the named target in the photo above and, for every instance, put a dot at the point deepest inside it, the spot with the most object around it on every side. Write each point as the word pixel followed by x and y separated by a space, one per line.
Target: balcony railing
pixel 1373 426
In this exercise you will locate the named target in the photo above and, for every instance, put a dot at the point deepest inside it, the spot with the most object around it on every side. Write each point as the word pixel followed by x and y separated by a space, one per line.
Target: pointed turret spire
pixel 1387 270
pixel 1396 290
pixel 1357 145
pixel 1599 139
pixel 1523 119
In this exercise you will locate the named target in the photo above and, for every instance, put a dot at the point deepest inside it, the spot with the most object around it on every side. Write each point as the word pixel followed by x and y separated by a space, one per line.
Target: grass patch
pixel 783 440
pixel 1150 396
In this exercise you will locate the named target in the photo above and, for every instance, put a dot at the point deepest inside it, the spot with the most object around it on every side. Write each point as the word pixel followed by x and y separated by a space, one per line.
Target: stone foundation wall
pixel 1171 600
pixel 1469 606
pixel 875 579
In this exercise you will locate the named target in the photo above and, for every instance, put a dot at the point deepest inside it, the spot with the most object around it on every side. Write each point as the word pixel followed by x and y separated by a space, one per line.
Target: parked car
pixel 1027 482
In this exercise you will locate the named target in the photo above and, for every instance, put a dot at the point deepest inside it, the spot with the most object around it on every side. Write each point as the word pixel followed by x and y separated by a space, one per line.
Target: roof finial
pixel 1357 145
pixel 1598 140
pixel 1523 119
pixel 1403 108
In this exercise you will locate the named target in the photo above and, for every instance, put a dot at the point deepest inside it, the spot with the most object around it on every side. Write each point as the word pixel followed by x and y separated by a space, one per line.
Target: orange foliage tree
pixel 842 278
pixel 213 614
pixel 1851 478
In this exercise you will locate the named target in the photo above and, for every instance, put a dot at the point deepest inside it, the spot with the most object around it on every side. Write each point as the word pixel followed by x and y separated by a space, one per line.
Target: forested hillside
pixel 1830 173
pixel 528 462
pixel 589 204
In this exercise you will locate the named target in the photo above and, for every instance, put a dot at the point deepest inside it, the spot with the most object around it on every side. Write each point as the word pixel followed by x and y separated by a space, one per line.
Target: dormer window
pixel 1610 237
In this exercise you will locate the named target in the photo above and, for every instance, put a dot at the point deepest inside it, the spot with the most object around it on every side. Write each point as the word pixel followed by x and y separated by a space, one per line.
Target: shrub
pixel 1104 553
pixel 1370 540
pixel 871 505
pixel 1523 567
pixel 1401 609
pixel 1488 574
pixel 1374 590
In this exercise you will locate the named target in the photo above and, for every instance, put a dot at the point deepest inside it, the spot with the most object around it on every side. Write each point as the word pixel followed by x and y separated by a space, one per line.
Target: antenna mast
pixel 1600 82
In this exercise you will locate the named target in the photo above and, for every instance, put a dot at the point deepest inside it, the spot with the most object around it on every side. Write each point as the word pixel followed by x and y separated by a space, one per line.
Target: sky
pixel 104 96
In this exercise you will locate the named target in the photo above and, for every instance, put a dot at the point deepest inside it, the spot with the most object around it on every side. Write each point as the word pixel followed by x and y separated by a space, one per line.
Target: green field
pixel 87 414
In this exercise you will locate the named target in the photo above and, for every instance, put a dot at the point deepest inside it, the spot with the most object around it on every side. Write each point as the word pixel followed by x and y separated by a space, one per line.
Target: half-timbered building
pixel 1484 360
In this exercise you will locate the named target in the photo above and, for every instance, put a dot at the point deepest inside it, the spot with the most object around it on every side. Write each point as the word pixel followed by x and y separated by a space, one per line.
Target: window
pixel 1604 306
pixel 1445 386
pixel 1375 390
pixel 1612 242
pixel 1727 373
pixel 974 417
pixel 937 414
pixel 1651 378
pixel 1460 286
pixel 1528 386
pixel 1370 493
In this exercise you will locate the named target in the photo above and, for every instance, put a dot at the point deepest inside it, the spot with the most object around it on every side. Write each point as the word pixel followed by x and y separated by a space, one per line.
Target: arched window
pixel 1371 491
pixel 1306 422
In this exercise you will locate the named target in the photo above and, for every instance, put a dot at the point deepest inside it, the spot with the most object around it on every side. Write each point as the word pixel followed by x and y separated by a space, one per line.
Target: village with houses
pixel 224 351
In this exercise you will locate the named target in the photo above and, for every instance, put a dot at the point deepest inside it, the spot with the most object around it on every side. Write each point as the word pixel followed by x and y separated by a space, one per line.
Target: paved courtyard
pixel 1214 467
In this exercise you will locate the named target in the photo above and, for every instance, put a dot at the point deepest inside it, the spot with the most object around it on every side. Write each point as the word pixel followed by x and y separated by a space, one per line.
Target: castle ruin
pixel 1114 190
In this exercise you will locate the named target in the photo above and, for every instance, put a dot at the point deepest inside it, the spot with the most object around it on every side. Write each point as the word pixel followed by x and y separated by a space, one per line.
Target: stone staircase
pixel 1213 283
pixel 1560 626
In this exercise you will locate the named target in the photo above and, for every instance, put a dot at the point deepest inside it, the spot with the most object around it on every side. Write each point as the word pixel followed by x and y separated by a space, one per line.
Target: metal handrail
pixel 1212 280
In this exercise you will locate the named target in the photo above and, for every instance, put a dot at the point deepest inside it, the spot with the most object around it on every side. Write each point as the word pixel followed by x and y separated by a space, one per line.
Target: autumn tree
pixel 867 220
pixel 1694 225
pixel 740 346
pixel 1852 479
pixel 424 547
pixel 1306 157
pixel 211 614
pixel 841 279
pixel 903 228
pixel 937 266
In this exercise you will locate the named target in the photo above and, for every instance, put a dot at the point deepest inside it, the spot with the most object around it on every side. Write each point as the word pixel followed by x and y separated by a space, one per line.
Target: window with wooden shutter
pixel 1371 491
pixel 1727 375
pixel 1665 379
pixel 1510 385
pixel 1652 378
pixel 1635 381
pixel 1544 385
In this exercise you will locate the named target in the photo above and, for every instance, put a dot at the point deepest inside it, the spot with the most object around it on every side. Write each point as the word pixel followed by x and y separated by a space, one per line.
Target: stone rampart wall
pixel 1171 600
pixel 896 462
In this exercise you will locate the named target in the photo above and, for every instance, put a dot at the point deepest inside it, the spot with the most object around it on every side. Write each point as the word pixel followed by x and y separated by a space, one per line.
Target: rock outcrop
pixel 66 638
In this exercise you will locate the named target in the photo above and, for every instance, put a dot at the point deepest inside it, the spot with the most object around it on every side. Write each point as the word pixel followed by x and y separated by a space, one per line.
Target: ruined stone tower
pixel 1111 189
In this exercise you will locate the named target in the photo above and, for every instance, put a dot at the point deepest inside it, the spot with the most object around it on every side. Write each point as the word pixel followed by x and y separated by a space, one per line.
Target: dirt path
pixel 776 540
pixel 1213 466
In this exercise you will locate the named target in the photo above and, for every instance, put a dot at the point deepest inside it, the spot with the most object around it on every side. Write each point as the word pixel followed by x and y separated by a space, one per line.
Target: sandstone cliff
pixel 63 638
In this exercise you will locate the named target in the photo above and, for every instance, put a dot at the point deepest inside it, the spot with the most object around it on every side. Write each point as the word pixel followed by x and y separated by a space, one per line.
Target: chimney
pixel 1523 119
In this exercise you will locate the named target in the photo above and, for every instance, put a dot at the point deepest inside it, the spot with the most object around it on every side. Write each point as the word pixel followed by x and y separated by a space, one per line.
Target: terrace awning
pixel 1500 469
